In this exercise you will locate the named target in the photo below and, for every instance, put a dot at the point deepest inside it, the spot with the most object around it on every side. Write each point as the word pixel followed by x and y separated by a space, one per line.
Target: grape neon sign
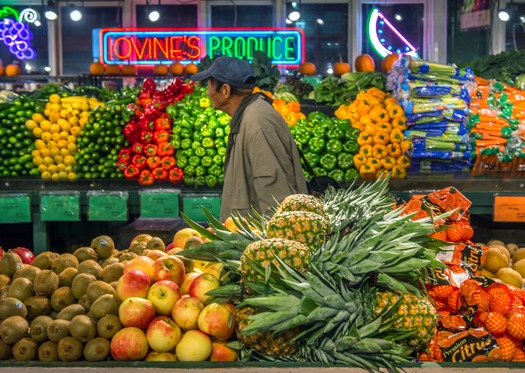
pixel 375 27
pixel 148 47
pixel 15 33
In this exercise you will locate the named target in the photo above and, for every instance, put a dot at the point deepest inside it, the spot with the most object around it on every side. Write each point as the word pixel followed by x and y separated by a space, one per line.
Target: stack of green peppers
pixel 200 137
pixel 328 144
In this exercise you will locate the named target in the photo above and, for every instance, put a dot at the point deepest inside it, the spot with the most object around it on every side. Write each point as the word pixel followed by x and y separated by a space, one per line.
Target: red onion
pixel 25 254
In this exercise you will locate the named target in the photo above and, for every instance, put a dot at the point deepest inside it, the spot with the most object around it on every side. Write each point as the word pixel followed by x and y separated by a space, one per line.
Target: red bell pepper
pixel 144 99
pixel 161 136
pixel 146 178
pixel 125 154
pixel 132 132
pixel 153 162
pixel 149 85
pixel 176 175
pixel 139 161
pixel 146 136
pixel 137 148
pixel 163 123
pixel 122 165
pixel 165 149
pixel 168 163
pixel 131 172
pixel 146 124
pixel 150 150
pixel 160 174
pixel 158 97
pixel 154 109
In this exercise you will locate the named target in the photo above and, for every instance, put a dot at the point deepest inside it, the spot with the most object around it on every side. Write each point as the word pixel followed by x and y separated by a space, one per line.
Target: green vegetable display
pixel 328 144
pixel 200 135
pixel 504 66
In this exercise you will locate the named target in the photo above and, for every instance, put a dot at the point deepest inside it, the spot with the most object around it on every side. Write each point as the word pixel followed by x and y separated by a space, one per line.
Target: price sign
pixel 108 206
pixel 509 209
pixel 15 208
pixel 193 207
pixel 56 207
pixel 159 204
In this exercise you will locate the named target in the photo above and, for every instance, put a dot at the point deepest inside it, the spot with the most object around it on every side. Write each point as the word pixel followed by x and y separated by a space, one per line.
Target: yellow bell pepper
pixel 398 172
pixel 381 174
pixel 388 163
pixel 373 162
pixel 367 172
pixel 385 127
pixel 395 111
pixel 379 114
pixel 396 136
pixel 371 128
pixel 405 146
pixel 381 138
pixel 366 150
pixel 403 161
pixel 364 138
pixel 394 150
pixel 359 160
pixel 379 151
pixel 400 123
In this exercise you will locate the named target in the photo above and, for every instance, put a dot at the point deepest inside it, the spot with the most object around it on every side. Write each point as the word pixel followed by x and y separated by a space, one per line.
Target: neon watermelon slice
pixel 377 28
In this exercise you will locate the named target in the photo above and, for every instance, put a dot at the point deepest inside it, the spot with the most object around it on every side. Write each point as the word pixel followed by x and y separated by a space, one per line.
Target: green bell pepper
pixel 219 143
pixel 211 152
pixel 337 174
pixel 194 161
pixel 345 161
pixel 351 174
pixel 206 161
pixel 200 152
pixel 197 136
pixel 334 146
pixel 207 131
pixel 219 132
pixel 316 144
pixel 351 146
pixel 215 169
pixel 189 179
pixel 316 116
pixel 312 159
pixel 320 171
pixel 182 161
pixel 185 144
pixel 189 170
pixel 200 181
pixel 200 170
pixel 208 142
pixel 335 133
pixel 211 181
pixel 328 161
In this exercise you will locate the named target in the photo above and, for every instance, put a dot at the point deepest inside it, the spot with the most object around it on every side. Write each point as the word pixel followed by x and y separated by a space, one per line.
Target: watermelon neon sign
pixel 378 40
pixel 148 47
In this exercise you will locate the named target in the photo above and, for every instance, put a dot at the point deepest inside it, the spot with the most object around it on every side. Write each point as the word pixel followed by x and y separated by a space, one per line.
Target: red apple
pixel 155 254
pixel 181 236
pixel 221 352
pixel 129 344
pixel 163 334
pixel 134 283
pixel 188 279
pixel 142 263
pixel 160 356
pixel 186 312
pixel 194 346
pixel 24 253
pixel 203 284
pixel 137 312
pixel 163 295
pixel 214 320
pixel 169 268
pixel 143 237
pixel 169 246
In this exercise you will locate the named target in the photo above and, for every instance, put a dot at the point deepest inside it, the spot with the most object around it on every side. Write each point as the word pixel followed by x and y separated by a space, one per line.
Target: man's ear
pixel 226 90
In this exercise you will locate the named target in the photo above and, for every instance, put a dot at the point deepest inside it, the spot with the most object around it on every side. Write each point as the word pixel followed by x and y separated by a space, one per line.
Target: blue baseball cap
pixel 229 70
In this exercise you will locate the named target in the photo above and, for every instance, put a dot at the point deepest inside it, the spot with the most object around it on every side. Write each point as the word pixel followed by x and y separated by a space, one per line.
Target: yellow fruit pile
pixel 56 132
pixel 382 145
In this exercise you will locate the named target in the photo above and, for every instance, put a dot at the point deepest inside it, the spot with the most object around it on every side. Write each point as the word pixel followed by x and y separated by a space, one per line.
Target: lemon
pixel 64 114
pixel 37 161
pixel 55 128
pixel 52 168
pixel 61 167
pixel 68 169
pixel 54 116
pixel 45 125
pixel 73 121
pixel 75 130
pixel 64 152
pixel 62 144
pixel 72 176
pixel 55 137
pixel 69 160
pixel 48 160
pixel 31 124
pixel 42 168
pixel 55 177
pixel 62 175
pixel 40 144
pixel 37 132
pixel 45 152
pixel 56 107
pixel 71 138
pixel 37 117
pixel 47 136
pixel 35 153
pixel 46 175
pixel 58 159
pixel 54 98
pixel 55 151
pixel 72 147
pixel 51 144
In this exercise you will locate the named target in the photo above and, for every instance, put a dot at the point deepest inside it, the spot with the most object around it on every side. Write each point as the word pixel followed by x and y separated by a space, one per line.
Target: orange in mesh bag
pixel 469 345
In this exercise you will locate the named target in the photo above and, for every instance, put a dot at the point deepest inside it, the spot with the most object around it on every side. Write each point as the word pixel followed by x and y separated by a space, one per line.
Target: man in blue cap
pixel 262 164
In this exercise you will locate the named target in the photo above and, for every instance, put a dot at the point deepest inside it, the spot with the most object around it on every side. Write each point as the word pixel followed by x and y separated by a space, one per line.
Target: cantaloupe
pixel 496 260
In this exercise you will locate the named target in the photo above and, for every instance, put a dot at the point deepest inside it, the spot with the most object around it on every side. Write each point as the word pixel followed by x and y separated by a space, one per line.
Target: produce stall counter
pixel 251 367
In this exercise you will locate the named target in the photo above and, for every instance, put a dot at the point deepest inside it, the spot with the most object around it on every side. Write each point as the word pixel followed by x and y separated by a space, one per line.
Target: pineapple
pixel 302 226
pixel 302 202
pixel 264 342
pixel 412 314
pixel 263 253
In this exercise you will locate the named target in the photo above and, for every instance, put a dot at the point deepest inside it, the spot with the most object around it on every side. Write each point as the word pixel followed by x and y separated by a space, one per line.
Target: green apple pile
pixel 146 302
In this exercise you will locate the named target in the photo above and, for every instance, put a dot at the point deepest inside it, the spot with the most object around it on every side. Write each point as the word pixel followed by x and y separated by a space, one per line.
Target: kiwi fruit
pixel 103 246
pixel 37 305
pixel 84 302
pixel 61 298
pixel 105 304
pixel 6 351
pixel 137 247
pixel 64 261
pixel 38 328
pixel 65 278
pixel 46 282
pixel 112 272
pixel 25 349
pixel 4 280
pixel 71 311
pixel 96 349
pixel 4 292
pixel 90 266
pixel 12 307
pixel 108 325
pixel 43 260
pixel 13 329
pixel 85 253
pixel 82 328
pixel 28 272
pixel 80 284
pixel 21 289
pixel 48 351
pixel 156 243
pixel 58 329
pixel 69 349
pixel 97 289
pixel 127 256
pixel 10 263
pixel 108 261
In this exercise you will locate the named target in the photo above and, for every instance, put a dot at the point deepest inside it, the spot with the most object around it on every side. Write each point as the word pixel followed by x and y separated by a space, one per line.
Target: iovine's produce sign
pixel 147 47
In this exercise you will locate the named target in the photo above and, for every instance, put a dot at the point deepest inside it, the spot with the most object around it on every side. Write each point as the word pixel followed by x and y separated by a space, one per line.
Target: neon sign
pixel 148 47
pixel 15 33
pixel 377 39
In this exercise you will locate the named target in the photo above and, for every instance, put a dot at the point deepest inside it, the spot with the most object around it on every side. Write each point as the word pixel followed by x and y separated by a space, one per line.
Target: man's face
pixel 217 99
